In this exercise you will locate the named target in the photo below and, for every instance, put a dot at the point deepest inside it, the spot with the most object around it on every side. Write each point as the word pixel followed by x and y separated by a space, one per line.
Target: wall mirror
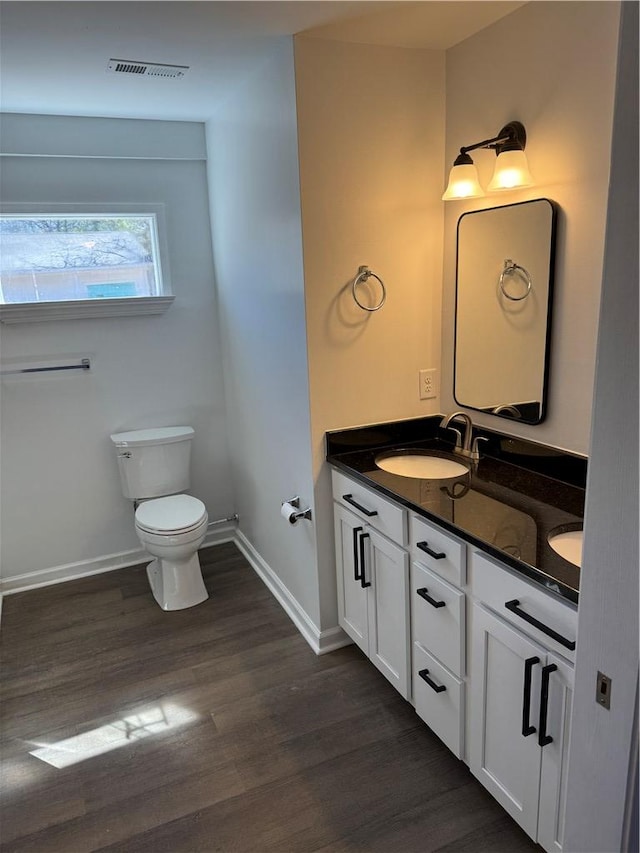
pixel 504 283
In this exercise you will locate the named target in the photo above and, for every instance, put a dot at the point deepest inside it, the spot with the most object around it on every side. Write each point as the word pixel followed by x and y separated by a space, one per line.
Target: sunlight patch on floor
pixel 121 732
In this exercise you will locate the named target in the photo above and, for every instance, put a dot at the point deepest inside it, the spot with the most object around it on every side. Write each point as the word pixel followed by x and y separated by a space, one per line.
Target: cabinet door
pixel 505 680
pixel 387 569
pixel 553 779
pixel 352 596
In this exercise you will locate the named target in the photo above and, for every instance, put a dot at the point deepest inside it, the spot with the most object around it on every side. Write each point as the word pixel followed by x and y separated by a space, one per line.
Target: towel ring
pixel 511 268
pixel 365 273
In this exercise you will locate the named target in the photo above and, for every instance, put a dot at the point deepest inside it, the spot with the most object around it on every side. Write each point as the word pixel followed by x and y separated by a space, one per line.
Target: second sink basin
pixel 567 543
pixel 421 464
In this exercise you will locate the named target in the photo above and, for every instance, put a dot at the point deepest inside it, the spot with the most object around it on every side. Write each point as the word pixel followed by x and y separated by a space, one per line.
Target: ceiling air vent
pixel 145 69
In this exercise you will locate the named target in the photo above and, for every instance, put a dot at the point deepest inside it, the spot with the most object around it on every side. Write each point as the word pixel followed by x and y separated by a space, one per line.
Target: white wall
pixel 371 142
pixel 550 65
pixel 61 500
pixel 255 204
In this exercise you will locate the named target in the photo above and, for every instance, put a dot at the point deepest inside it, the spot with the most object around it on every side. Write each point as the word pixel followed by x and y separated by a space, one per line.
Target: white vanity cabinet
pixel 373 578
pixel 485 655
pixel 438 607
pixel 520 697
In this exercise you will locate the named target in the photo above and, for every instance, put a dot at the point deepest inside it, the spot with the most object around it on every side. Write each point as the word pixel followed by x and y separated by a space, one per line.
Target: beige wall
pixel 551 66
pixel 371 147
pixel 371 137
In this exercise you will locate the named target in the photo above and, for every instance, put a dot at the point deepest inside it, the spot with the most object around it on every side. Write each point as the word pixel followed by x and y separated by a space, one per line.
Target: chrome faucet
pixel 465 446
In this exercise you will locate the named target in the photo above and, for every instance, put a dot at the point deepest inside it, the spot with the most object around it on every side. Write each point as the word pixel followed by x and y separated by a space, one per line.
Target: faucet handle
pixel 458 436
pixel 475 452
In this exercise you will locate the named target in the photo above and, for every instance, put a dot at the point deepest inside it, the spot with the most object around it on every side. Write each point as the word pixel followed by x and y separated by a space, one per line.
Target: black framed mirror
pixel 504 288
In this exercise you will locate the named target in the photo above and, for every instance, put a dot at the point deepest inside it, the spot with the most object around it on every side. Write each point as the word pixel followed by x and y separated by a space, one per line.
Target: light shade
pixel 511 172
pixel 463 183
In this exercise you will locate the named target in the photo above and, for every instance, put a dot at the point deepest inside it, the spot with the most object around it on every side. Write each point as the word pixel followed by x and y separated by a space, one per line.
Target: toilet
pixel 171 526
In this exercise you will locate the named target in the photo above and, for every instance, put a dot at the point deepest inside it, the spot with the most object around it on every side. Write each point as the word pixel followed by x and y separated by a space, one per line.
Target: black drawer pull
pixel 527 728
pixel 424 593
pixel 363 582
pixel 439 688
pixel 543 737
pixel 356 567
pixel 514 607
pixel 424 546
pixel 350 500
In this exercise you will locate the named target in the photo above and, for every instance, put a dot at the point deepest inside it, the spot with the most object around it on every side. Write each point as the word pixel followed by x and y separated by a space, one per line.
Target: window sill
pixel 39 312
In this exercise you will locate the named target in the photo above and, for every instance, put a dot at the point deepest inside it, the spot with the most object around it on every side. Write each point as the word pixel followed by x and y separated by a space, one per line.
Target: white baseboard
pixel 98 565
pixel 220 533
pixel 320 641
pixel 332 639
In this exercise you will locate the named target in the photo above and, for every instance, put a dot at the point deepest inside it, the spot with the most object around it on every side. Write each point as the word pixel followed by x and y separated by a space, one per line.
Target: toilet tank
pixel 153 462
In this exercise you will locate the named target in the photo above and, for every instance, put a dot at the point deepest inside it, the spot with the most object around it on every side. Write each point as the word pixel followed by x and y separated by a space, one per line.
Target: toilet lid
pixel 173 514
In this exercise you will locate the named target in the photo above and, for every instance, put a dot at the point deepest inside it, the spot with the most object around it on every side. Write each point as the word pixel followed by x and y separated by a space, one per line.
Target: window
pixel 95 264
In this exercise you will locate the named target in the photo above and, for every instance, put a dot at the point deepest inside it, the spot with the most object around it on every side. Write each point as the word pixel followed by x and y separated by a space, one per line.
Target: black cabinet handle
pixel 363 582
pixel 527 728
pixel 350 500
pixel 356 567
pixel 424 546
pixel 514 607
pixel 424 593
pixel 543 737
pixel 424 674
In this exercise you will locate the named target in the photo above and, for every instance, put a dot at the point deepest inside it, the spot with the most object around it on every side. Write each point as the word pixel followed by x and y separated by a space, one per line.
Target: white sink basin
pixel 568 545
pixel 423 466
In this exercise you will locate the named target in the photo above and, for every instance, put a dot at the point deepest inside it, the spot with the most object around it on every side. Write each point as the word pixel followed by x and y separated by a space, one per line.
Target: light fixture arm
pixel 512 137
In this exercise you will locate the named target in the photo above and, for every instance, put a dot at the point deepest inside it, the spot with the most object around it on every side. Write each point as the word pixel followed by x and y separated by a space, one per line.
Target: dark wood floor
pixel 214 729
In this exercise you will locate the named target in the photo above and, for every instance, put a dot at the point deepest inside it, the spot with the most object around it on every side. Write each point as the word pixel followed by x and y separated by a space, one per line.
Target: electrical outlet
pixel 428 383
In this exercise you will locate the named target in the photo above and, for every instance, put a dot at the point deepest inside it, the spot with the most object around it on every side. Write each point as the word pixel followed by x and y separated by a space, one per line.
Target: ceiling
pixel 54 55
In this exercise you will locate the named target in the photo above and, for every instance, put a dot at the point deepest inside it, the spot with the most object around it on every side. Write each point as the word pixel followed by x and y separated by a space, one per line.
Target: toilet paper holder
pixel 295 512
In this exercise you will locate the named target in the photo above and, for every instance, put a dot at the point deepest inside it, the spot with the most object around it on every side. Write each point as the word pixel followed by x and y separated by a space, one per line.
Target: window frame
pixel 23 312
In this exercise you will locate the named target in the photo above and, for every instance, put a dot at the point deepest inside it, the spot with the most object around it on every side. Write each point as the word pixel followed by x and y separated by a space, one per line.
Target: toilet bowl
pixel 171 525
pixel 172 529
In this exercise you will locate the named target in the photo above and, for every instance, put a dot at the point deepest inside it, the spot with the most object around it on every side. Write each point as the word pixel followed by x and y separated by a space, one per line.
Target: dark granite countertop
pixel 506 505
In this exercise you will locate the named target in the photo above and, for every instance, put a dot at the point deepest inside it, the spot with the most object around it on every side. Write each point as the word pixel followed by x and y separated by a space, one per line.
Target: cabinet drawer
pixel 385 516
pixel 442 710
pixel 437 611
pixel 496 586
pixel 448 554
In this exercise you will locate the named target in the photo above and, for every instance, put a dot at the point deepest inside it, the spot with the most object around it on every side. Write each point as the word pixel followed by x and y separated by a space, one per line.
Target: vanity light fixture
pixel 511 171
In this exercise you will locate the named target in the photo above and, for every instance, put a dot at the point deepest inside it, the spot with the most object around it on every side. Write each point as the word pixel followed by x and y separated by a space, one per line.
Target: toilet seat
pixel 171 515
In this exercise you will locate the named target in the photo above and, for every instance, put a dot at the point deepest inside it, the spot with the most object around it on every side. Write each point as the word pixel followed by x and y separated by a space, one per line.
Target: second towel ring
pixel 511 268
pixel 364 273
